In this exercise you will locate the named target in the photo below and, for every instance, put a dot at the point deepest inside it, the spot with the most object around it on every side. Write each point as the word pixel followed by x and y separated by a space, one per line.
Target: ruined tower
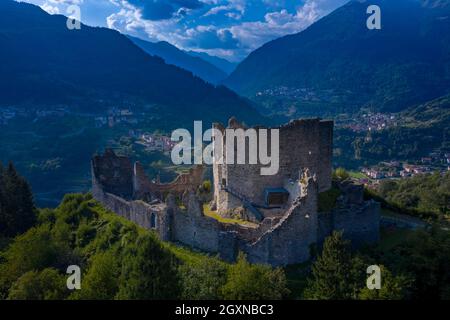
pixel 303 144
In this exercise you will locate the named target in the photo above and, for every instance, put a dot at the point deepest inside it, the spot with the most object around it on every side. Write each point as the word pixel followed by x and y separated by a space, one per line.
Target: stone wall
pixel 288 241
pixel 291 239
pixel 190 227
pixel 198 232
pixel 114 173
pixel 284 237
pixel 138 212
pixel 184 182
pixel 360 224
pixel 303 144
pixel 117 175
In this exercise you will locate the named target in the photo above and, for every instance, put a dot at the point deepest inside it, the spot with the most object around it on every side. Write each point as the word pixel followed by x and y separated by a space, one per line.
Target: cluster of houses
pixel 389 169
pixel 303 94
pixel 410 170
pixel 156 142
pixel 436 161
pixel 372 122
pixel 116 116
pixel 113 117
pixel 9 113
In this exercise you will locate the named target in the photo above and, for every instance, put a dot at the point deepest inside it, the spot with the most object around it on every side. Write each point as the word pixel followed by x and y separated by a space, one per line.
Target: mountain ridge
pixel 97 63
pixel 400 65
pixel 172 55
pixel 223 64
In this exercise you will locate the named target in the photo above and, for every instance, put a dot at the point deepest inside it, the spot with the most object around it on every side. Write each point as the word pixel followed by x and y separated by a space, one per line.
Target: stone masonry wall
pixel 303 144
pixel 360 224
pixel 190 227
pixel 184 182
pixel 138 212
pixel 114 173
pixel 198 232
pixel 281 239
pixel 290 240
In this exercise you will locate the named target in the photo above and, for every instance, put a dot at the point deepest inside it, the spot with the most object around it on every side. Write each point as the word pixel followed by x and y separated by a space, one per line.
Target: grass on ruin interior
pixel 213 214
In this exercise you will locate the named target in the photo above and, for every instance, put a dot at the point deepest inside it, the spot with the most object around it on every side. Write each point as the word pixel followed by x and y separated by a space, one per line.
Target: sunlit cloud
pixel 227 28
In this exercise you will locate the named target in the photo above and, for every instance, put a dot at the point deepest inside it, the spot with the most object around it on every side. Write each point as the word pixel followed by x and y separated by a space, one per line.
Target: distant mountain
pixel 338 64
pixel 43 62
pixel 172 55
pixel 223 64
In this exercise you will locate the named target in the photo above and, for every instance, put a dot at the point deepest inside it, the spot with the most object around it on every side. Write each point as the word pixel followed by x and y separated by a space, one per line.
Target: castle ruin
pixel 274 219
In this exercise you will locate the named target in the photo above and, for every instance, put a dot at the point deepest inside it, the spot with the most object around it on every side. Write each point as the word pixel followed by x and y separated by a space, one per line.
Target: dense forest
pixel 119 260
pixel 426 195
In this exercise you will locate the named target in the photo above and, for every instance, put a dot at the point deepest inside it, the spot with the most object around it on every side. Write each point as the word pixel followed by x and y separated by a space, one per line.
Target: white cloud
pixel 49 8
pixel 252 35
pixel 234 36
pixel 238 6
pixel 68 2
pixel 54 6
pixel 129 20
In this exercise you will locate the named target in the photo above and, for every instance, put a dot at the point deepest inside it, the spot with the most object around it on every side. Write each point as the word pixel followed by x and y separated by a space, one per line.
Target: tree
pixel 426 257
pixel 34 250
pixel 203 281
pixel 254 282
pixel 100 282
pixel 426 195
pixel 392 287
pixel 149 271
pixel 332 272
pixel 17 210
pixel 47 284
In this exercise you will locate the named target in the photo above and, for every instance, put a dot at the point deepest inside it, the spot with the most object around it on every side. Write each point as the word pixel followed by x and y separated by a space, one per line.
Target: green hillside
pixel 338 64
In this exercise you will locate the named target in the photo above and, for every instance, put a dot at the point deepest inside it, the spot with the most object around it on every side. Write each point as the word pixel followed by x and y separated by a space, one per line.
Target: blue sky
pixel 230 29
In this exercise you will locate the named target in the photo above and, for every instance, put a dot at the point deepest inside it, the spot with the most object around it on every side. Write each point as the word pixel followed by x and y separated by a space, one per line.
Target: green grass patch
pixel 213 214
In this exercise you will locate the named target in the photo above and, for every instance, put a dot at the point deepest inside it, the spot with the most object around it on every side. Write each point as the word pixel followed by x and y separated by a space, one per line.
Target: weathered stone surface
pixel 290 240
pixel 352 193
pixel 303 144
pixel 284 236
pixel 114 173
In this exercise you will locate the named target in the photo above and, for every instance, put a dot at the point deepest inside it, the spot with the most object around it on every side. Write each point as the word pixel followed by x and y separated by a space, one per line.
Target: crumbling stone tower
pixel 303 144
